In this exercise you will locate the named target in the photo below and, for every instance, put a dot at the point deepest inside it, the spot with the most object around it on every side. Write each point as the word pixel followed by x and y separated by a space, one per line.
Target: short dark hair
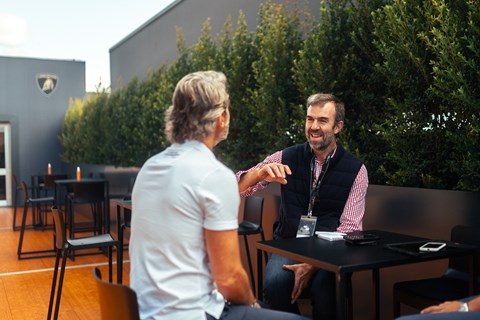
pixel 323 98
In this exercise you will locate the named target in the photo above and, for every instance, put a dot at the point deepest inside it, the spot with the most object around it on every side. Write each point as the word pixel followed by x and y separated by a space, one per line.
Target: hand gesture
pixel 303 274
pixel 274 172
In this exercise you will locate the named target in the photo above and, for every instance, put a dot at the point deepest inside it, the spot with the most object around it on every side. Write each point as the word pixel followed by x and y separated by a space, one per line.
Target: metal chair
pixel 64 246
pixel 48 182
pixel 125 223
pixel 251 225
pixel 93 194
pixel 452 285
pixel 117 301
pixel 17 188
pixel 29 203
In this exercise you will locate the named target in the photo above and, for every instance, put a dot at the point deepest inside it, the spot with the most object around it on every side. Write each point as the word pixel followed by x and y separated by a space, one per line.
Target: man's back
pixel 177 194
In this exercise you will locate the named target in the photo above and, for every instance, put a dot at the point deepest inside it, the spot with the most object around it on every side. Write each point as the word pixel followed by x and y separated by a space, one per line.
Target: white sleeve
pixel 220 200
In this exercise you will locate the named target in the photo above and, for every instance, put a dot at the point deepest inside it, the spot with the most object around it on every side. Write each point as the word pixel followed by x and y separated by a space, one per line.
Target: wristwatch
pixel 463 307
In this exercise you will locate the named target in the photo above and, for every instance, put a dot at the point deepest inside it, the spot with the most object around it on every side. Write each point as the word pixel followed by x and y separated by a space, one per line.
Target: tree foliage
pixel 408 71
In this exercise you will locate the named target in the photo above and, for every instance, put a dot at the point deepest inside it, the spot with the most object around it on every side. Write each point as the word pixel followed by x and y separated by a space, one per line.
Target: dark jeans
pixel 279 286
pixel 236 312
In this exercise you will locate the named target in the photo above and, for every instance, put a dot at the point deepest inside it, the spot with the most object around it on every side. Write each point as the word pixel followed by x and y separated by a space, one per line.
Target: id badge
pixel 306 228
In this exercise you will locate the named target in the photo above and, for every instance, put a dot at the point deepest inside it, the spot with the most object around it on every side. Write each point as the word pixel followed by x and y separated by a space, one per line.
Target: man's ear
pixel 338 127
pixel 222 121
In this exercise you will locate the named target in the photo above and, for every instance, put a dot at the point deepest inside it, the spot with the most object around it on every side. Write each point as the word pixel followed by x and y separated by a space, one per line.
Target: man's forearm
pixel 248 179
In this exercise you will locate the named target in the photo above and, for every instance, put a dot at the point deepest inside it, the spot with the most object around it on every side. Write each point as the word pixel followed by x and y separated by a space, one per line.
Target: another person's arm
pixel 269 170
pixel 453 306
pixel 227 270
pixel 352 216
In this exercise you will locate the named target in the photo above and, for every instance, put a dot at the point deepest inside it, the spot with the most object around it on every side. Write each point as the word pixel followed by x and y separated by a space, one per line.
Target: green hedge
pixel 408 71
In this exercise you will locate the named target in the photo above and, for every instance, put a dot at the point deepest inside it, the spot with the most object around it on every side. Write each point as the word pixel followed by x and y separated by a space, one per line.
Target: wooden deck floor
pixel 25 284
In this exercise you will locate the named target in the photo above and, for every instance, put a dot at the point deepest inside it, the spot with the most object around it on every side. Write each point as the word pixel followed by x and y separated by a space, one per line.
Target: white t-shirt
pixel 177 194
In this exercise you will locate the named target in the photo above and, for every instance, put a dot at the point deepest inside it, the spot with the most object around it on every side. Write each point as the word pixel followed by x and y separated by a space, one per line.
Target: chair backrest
pixel 89 191
pixel 464 234
pixel 49 180
pixel 117 301
pixel 253 210
pixel 15 182
pixel 60 229
pixel 25 191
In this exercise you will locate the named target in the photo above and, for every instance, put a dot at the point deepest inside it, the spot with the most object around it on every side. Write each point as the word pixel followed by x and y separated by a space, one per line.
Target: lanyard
pixel 314 191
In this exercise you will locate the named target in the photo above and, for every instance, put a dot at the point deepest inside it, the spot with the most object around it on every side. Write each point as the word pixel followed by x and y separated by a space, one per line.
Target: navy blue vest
pixel 333 191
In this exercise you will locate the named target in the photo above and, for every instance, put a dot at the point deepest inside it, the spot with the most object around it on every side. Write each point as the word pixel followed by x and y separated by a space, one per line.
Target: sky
pixel 82 30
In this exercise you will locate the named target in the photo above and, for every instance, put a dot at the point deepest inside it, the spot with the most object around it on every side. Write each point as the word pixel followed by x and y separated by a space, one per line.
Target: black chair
pixel 251 225
pixel 64 246
pixel 47 186
pixel 42 205
pixel 117 301
pixel 94 195
pixel 452 285
pixel 125 223
pixel 17 188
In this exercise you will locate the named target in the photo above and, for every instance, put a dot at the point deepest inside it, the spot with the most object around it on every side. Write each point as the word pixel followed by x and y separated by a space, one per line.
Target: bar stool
pixel 64 246
pixel 117 301
pixel 29 202
pixel 17 188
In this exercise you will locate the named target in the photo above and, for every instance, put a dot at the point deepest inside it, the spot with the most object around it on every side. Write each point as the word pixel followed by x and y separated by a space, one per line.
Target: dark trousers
pixel 279 285
pixel 236 312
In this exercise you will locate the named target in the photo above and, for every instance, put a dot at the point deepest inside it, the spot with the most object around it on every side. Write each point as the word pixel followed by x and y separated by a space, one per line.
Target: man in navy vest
pixel 318 177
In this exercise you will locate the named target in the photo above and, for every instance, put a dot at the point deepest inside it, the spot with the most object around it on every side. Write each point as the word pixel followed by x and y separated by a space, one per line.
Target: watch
pixel 463 307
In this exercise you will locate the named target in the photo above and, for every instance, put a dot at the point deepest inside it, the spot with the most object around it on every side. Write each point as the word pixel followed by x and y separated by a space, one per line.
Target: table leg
pixel 344 296
pixel 120 247
pixel 376 293
pixel 258 294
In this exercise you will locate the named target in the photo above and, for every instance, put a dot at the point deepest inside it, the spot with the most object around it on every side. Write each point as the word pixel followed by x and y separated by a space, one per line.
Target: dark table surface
pixel 344 259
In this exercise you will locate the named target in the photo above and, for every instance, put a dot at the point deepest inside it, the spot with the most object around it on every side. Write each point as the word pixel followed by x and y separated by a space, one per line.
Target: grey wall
pixel 36 118
pixel 154 43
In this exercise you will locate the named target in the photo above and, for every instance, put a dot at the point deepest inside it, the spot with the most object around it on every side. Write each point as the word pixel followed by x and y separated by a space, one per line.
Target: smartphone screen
pixel 433 246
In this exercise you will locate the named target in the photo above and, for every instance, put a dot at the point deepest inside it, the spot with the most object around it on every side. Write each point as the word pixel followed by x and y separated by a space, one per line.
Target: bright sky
pixel 82 30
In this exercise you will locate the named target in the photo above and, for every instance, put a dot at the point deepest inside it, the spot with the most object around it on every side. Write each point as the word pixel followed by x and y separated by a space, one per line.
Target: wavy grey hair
pixel 323 98
pixel 199 99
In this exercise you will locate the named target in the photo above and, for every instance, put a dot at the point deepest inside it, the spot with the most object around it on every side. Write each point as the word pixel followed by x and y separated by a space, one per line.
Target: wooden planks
pixel 25 285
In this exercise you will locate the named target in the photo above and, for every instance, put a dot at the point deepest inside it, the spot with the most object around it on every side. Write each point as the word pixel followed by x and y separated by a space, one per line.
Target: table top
pixel 337 256
pixel 83 180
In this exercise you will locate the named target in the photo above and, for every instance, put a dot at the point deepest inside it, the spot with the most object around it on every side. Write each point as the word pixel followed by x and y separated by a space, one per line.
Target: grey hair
pixel 323 98
pixel 198 100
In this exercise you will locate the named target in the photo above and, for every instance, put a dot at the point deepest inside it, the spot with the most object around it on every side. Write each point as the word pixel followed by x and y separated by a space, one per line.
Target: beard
pixel 323 144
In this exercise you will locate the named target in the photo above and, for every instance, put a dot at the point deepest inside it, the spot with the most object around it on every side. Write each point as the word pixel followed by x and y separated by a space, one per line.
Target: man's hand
pixel 274 172
pixel 448 306
pixel 303 274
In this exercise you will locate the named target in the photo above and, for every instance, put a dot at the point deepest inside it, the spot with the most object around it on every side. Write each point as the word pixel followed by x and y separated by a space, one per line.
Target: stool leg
pixel 22 230
pixel 249 262
pixel 15 198
pixel 60 283
pixel 54 285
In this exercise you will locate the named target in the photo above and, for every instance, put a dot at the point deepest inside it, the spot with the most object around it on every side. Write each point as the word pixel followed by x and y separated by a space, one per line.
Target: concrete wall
pixel 154 43
pixel 35 117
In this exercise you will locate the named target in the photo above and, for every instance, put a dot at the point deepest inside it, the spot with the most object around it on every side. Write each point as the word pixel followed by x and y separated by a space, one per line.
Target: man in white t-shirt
pixel 184 252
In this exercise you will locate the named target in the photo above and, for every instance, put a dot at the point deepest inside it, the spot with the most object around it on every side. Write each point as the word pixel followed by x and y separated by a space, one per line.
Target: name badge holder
pixel 306 227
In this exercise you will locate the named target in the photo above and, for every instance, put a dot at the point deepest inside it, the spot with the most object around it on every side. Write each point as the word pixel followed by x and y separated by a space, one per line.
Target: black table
pixel 121 206
pixel 343 260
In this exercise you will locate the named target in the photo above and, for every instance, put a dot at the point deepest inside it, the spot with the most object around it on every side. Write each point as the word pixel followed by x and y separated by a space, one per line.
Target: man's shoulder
pixel 296 149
